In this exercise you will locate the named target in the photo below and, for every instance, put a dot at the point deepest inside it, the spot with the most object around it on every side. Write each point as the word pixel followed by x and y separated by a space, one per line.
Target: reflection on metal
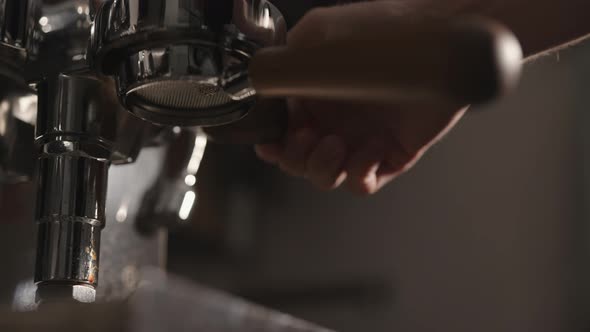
pixel 121 215
pixel 24 296
pixel 172 304
pixel 173 198
pixel 162 303
pixel 194 49
pixel 5 110
pixel 193 70
pixel 197 156
pixel 190 180
pixel 124 250
pixel 70 218
pixel 48 293
pixel 187 205
pixel 27 109
pixel 174 63
pixel 81 130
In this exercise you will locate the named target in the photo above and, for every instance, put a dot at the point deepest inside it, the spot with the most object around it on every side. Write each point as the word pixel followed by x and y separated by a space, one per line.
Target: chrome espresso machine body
pixel 106 80
pixel 104 109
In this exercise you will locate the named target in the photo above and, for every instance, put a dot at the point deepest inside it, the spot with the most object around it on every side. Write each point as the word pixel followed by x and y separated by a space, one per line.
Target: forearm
pixel 540 25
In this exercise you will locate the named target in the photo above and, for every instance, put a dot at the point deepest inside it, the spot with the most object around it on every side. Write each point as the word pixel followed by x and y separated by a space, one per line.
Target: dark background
pixel 488 233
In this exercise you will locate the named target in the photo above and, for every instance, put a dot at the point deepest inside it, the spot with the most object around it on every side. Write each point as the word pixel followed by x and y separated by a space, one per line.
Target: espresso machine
pixel 92 88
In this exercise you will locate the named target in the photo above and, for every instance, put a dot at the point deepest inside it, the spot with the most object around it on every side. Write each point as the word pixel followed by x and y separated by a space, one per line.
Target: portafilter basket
pixel 203 62
pixel 184 63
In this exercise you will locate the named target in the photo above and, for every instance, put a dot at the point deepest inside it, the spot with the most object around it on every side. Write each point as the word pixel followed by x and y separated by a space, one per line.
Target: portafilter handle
pixel 462 61
pixel 465 61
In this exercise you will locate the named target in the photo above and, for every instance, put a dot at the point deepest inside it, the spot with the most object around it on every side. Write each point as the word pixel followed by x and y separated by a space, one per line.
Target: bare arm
pixel 540 25
pixel 366 145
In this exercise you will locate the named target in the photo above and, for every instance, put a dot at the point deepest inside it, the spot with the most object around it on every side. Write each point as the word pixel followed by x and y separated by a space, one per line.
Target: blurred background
pixel 488 233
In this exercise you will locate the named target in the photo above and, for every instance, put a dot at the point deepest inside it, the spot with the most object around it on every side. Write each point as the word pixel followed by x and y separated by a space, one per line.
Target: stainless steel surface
pixel 124 251
pixel 165 303
pixel 48 293
pixel 73 104
pixel 73 174
pixel 185 62
pixel 173 198
pixel 169 303
pixel 77 131
pixel 70 218
pixel 81 130
pixel 62 31
pixel 80 105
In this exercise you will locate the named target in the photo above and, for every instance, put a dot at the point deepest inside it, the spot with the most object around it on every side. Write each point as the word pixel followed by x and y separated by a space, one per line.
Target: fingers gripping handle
pixel 467 61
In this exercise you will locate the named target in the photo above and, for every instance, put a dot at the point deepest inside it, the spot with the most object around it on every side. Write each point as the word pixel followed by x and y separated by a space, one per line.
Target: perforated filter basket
pixel 185 63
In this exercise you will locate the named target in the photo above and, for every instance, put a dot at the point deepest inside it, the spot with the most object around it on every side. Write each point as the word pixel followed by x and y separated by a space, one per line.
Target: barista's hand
pixel 362 145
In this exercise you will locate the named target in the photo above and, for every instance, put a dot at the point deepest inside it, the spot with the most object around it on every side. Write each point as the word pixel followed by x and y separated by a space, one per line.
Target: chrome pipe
pixel 74 160
pixel 92 61
pixel 70 217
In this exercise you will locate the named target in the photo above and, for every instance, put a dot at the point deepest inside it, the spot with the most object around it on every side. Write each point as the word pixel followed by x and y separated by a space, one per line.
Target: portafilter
pixel 184 62
pixel 205 62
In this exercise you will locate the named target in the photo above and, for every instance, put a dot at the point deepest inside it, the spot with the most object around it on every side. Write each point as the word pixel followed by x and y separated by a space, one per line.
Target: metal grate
pixel 183 95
